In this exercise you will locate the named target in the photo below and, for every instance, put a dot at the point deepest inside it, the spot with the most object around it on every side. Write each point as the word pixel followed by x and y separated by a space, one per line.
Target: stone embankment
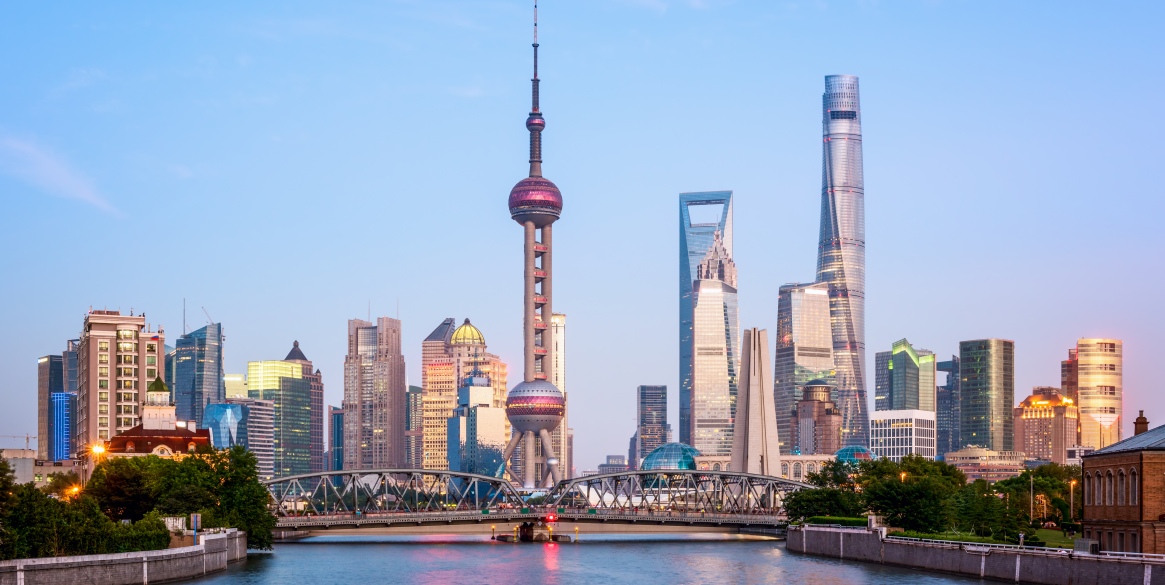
pixel 212 554
pixel 1015 564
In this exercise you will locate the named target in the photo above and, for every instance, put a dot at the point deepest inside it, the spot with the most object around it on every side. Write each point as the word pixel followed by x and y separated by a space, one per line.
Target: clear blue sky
pixel 285 166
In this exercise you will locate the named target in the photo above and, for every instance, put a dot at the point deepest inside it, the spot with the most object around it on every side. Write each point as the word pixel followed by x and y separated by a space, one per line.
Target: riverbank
pixel 212 554
pixel 1039 566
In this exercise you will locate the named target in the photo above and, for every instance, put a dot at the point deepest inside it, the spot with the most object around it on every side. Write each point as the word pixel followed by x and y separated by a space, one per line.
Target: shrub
pixel 840 520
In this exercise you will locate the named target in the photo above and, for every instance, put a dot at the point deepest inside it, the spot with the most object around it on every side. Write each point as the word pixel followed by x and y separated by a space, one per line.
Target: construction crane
pixel 209 319
pixel 27 439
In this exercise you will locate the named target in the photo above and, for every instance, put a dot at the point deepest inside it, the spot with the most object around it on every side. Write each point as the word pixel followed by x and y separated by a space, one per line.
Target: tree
pixel 61 484
pixel 916 494
pixel 242 499
pixel 126 487
pixel 824 501
pixel 34 524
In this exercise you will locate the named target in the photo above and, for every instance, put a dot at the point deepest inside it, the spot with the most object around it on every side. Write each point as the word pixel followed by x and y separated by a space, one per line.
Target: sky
pixel 286 167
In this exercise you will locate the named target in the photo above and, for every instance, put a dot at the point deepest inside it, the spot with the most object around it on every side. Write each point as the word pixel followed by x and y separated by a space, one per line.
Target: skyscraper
pixel 1093 377
pixel 296 390
pixel 117 358
pixel 904 378
pixel 716 357
pixel 754 438
pixel 702 216
pixel 804 349
pixel 414 435
pixel 1045 425
pixel 947 409
pixel 477 429
pixel 335 438
pixel 535 406
pixel 651 430
pixel 374 395
pixel 195 373
pixel 246 422
pixel 436 346
pixel 558 437
pixel 50 379
pixel 987 393
pixel 841 252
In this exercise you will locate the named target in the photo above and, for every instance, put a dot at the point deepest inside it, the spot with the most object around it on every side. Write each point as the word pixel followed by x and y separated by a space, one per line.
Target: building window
pixel 152 347
pixel 151 360
pixel 1120 490
pixel 796 471
pixel 1133 543
pixel 103 358
pixel 1087 486
pixel 1108 500
pixel 103 396
pixel 103 384
pixel 151 373
pixel 784 470
pixel 715 467
pixel 103 346
pixel 1133 486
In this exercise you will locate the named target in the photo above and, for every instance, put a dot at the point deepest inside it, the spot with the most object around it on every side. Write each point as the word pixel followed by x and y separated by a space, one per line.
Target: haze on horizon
pixel 291 168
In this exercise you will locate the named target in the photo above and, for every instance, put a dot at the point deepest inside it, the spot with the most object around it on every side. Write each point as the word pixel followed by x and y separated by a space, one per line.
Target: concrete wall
pixel 137 568
pixel 996 563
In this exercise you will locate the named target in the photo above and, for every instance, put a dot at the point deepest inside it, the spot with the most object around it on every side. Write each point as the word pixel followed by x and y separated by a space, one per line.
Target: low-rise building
pixel 982 463
pixel 160 433
pixel 1124 492
pixel 895 434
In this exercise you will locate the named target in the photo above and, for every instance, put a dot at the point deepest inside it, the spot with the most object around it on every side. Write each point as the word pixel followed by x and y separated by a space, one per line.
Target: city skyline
pixel 771 180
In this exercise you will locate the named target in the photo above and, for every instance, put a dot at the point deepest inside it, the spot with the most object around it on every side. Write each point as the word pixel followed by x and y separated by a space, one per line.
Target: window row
pixel 1109 489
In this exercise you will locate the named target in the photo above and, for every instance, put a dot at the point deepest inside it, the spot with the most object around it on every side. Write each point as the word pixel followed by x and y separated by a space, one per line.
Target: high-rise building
pixel 702 217
pixel 437 404
pixel 194 371
pixel 754 437
pixel 50 379
pixel 436 346
pixel 374 395
pixel 558 378
pixel 335 438
pixel 235 385
pixel 987 393
pixel 947 411
pixel 841 252
pixel 904 378
pixel 815 427
pixel 63 407
pixel 477 432
pixel 69 365
pixel 716 356
pixel 296 390
pixel 1045 425
pixel 804 349
pixel 651 430
pixel 117 358
pixel 257 432
pixel 536 406
pixel 414 429
pixel 1092 377
pixel 895 434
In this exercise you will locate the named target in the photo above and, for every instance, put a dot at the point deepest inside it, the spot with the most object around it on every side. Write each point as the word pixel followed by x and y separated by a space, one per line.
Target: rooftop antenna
pixel 185 329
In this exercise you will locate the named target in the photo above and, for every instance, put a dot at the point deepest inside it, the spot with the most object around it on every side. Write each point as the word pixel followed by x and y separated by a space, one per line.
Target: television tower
pixel 535 406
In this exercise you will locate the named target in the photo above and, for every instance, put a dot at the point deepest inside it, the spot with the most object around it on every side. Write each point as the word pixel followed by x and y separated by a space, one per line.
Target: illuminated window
pixel 103 346
pixel 103 358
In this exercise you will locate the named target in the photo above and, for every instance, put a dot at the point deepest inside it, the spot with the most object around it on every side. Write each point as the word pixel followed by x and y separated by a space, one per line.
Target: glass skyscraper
pixel 947 409
pixel 1093 377
pixel 284 384
pixel 904 378
pixel 716 352
pixel 651 432
pixel 64 404
pixel 804 350
pixel 987 393
pixel 374 395
pixel 195 373
pixel 246 422
pixel 702 216
pixel 841 253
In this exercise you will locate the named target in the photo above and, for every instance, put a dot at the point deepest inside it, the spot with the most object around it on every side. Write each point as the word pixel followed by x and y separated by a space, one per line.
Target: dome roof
pixel 467 334
pixel 855 454
pixel 671 456
pixel 817 382
pixel 535 196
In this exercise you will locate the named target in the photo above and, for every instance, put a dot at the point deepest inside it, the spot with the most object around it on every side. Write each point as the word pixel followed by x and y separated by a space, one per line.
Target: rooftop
pixel 1150 440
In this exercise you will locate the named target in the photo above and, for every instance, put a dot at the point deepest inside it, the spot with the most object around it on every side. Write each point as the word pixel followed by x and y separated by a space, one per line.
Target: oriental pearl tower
pixel 535 406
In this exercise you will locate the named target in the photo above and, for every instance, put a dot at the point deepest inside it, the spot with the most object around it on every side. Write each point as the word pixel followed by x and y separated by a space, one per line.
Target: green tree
pixel 824 501
pixel 242 499
pixel 61 484
pixel 916 494
pixel 127 488
pixel 34 524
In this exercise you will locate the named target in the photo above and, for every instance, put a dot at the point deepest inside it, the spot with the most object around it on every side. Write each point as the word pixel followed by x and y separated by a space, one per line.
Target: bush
pixel 957 537
pixel 840 520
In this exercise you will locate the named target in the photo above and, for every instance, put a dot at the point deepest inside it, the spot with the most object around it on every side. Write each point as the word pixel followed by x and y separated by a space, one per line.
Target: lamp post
pixel 1071 499
pixel 902 477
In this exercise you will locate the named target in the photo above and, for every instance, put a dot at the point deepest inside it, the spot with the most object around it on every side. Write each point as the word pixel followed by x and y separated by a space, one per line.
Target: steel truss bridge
pixel 389 501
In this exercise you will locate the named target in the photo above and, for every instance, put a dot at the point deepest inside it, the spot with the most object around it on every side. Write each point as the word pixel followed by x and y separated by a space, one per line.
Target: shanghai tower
pixel 841 252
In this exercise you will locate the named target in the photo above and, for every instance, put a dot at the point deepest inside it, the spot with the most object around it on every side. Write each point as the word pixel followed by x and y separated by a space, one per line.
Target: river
pixel 607 559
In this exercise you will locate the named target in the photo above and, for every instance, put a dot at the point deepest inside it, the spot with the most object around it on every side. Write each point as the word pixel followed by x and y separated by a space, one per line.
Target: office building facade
pixel 987 393
pixel 947 408
pixel 50 380
pixel 1093 377
pixel 702 217
pixel 716 355
pixel 477 431
pixel 335 438
pixel 194 371
pixel 894 434
pixel 1045 425
pixel 117 358
pixel 374 395
pixel 295 390
pixel 904 378
pixel 651 422
pixel 841 252
pixel 815 425
pixel 414 431
pixel 804 349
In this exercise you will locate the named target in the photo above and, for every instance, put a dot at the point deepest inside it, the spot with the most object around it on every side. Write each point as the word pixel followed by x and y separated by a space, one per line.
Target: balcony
pixel 539 324
pixel 539 351
pixel 539 299
pixel 541 248
pixel 539 273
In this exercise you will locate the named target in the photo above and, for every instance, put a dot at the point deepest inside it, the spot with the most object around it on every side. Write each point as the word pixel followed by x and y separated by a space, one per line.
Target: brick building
pixel 1124 492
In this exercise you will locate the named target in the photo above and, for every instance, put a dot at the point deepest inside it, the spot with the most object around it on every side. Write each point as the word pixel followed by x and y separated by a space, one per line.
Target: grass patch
pixel 949 536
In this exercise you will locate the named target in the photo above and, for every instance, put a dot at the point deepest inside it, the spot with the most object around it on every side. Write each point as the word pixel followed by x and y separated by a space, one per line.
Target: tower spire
pixel 534 123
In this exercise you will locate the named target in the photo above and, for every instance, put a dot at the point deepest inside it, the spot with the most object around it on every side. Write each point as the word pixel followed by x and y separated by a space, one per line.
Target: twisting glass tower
pixel 841 252
pixel 535 406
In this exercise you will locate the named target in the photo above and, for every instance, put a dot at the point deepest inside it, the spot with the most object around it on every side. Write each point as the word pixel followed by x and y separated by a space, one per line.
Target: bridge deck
pixel 408 521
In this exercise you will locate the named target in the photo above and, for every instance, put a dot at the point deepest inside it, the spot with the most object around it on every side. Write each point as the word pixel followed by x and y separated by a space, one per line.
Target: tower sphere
pixel 535 123
pixel 535 406
pixel 535 199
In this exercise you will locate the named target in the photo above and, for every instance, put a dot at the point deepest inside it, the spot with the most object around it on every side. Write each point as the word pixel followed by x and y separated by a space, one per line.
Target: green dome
pixel 671 456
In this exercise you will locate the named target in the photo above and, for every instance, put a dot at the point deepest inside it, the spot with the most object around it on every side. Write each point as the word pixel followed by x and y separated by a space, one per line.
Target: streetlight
pixel 1072 499
pixel 902 477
